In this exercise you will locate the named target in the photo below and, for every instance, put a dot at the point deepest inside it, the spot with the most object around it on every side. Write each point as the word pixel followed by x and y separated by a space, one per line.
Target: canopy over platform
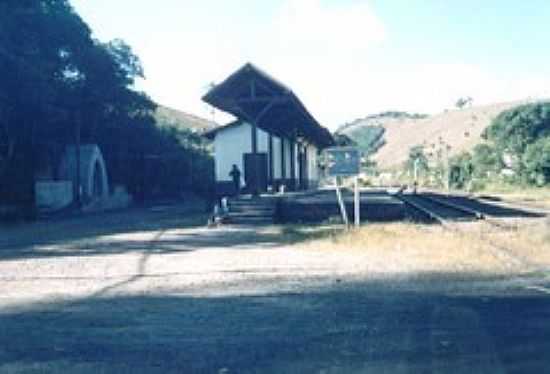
pixel 253 96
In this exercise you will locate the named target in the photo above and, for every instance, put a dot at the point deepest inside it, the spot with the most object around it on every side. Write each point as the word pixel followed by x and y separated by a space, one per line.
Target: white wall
pixel 277 172
pixel 53 195
pixel 313 171
pixel 231 143
pixel 296 162
pixel 263 141
pixel 229 146
pixel 287 159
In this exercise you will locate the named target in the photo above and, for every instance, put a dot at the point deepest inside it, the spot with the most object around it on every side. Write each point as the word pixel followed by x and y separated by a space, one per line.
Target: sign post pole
pixel 357 204
pixel 345 162
pixel 341 203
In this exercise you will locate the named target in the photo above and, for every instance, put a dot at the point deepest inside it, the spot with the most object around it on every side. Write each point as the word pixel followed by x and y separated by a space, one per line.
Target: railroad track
pixel 452 211
pixel 444 212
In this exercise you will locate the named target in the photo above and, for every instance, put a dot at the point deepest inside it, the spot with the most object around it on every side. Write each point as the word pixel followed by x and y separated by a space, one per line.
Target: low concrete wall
pixel 322 206
pixel 119 199
pixel 53 195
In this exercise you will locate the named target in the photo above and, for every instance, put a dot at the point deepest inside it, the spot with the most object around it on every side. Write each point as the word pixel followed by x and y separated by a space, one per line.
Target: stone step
pixel 251 208
pixel 251 211
pixel 247 204
pixel 250 214
pixel 250 220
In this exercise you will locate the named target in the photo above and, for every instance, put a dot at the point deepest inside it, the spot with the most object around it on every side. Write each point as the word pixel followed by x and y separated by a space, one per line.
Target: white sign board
pixel 343 161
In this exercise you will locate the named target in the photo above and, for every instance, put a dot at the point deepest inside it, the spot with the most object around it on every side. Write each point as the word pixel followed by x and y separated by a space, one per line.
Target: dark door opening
pixel 255 172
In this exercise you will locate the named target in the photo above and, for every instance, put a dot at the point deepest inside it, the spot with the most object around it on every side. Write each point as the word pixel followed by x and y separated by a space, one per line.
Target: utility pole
pixel 357 203
pixel 78 197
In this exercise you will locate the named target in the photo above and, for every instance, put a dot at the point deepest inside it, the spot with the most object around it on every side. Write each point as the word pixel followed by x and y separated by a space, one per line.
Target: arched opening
pixel 97 184
pixel 5 147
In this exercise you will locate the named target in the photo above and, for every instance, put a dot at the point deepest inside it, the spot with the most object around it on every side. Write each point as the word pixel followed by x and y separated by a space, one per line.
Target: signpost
pixel 345 162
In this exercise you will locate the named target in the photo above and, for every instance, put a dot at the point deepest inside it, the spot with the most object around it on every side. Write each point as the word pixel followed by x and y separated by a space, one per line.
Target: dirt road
pixel 154 291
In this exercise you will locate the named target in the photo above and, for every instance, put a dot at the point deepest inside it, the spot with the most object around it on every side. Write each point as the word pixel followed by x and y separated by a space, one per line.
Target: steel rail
pixel 500 251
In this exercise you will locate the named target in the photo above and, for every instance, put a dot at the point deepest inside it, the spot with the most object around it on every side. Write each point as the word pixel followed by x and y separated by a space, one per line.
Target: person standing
pixel 235 174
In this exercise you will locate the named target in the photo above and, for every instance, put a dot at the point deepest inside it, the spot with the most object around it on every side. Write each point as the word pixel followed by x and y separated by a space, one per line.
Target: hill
pixel 460 129
pixel 182 120
pixel 369 132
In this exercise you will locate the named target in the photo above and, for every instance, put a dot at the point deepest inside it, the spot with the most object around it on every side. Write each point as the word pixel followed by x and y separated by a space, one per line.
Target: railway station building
pixel 274 140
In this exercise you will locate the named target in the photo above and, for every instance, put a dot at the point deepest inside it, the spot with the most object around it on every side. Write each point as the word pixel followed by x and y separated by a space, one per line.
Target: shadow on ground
pixel 172 229
pixel 361 327
pixel 51 232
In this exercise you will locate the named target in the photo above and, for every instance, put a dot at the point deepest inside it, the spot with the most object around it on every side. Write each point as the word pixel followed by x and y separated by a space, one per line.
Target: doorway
pixel 255 172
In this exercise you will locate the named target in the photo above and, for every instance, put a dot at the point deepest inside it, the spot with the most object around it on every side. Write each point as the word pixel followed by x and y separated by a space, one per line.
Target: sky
pixel 345 59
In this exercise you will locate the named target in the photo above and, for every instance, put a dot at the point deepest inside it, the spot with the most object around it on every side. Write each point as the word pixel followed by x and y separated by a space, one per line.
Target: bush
pixel 536 161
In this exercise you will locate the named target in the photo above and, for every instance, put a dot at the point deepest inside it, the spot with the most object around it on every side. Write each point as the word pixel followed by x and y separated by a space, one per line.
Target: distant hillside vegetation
pixel 181 120
pixel 461 129
pixel 368 133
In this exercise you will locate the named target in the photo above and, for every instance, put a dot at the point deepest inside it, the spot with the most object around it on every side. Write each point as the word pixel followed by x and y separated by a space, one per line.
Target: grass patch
pixel 404 247
pixel 293 234
pixel 540 195
pixel 530 242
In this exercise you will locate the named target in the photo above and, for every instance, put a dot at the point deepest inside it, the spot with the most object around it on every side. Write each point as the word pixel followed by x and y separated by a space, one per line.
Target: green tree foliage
pixel 517 139
pixel 343 140
pixel 39 42
pixel 513 130
pixel 59 85
pixel 417 157
pixel 536 160
pixel 369 138
pixel 463 102
pixel 485 160
pixel 461 170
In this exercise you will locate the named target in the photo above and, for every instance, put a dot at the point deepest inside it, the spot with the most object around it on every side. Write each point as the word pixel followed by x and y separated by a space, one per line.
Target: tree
pixel 38 42
pixel 463 102
pixel 60 86
pixel 485 160
pixel 461 169
pixel 343 140
pixel 513 130
pixel 536 160
pixel 417 160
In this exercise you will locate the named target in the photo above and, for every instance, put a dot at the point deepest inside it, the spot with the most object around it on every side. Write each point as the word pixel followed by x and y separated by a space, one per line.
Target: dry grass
pixel 71 367
pixel 529 196
pixel 413 248
pixel 530 242
pixel 461 129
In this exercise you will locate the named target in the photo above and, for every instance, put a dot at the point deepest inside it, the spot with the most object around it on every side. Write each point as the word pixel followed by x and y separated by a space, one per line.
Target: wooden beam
pixel 293 163
pixel 254 134
pixel 253 89
pixel 283 159
pixel 264 111
pixel 270 170
pixel 265 87
pixel 260 99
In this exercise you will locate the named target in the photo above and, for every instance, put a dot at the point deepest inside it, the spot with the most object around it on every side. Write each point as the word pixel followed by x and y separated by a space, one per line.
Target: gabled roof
pixel 211 134
pixel 252 95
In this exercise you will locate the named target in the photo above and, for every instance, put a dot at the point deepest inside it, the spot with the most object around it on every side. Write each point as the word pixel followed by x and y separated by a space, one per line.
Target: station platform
pixel 322 205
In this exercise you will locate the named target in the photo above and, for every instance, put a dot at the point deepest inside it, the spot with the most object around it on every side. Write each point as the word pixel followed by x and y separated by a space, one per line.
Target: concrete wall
pixel 53 195
pixel 231 143
pixel 287 159
pixel 229 146
pixel 313 170
pixel 277 172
